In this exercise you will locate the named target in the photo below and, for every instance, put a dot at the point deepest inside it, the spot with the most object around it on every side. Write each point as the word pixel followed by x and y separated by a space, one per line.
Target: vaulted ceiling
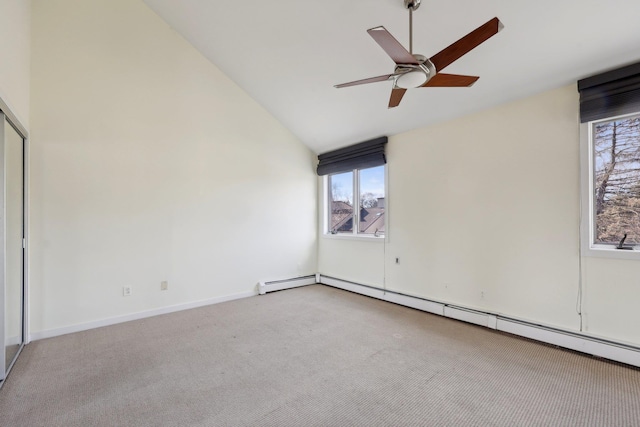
pixel 288 54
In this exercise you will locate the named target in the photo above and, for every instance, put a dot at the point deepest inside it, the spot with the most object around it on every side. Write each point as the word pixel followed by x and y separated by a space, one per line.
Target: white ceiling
pixel 288 54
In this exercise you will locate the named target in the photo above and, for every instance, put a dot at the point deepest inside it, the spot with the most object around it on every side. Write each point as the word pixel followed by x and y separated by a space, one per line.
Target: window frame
pixel 587 204
pixel 354 235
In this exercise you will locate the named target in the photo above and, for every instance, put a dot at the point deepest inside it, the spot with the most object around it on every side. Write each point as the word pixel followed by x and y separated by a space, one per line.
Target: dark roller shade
pixel 366 154
pixel 610 94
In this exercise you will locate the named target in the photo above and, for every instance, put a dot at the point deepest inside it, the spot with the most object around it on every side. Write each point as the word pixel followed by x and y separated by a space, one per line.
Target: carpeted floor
pixel 311 356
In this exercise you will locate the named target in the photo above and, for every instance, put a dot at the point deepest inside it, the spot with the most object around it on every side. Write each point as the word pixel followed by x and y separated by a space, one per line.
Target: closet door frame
pixel 8 118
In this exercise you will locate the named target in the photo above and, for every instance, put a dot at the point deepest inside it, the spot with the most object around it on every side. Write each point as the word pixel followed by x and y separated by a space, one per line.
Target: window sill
pixel 359 237
pixel 598 251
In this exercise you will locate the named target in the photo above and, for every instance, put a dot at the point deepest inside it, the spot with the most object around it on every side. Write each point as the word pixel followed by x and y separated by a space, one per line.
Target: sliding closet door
pixel 12 242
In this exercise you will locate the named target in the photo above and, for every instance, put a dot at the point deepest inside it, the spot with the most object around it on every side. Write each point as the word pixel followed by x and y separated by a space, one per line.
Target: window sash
pixel 621 179
pixel 356 208
pixel 330 201
pixel 589 246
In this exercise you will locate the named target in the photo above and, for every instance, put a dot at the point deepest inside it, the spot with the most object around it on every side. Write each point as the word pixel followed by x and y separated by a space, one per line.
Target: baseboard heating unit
pixel 278 285
pixel 618 352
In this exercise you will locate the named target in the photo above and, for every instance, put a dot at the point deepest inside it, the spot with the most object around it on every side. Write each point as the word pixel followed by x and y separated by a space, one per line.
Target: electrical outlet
pixel 126 291
pixel 483 294
pixel 164 285
pixel 397 260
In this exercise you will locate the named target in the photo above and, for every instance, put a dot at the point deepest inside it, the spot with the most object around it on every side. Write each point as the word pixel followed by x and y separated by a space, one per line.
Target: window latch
pixel 621 245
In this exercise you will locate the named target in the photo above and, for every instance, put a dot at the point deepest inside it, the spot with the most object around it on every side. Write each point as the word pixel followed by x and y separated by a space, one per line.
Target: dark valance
pixel 366 154
pixel 610 94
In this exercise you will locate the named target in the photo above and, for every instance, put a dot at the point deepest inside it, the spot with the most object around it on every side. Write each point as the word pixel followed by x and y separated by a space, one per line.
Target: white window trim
pixel 587 214
pixel 324 229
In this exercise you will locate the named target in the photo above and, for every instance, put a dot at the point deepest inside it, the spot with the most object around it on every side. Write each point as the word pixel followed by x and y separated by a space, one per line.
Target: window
pixel 616 180
pixel 355 189
pixel 610 158
pixel 363 214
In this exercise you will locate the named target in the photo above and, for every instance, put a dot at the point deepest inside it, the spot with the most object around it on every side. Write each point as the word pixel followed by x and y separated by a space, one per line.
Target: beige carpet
pixel 312 356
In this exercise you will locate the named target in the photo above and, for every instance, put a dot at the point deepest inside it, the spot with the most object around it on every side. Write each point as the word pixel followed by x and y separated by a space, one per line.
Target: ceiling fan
pixel 414 70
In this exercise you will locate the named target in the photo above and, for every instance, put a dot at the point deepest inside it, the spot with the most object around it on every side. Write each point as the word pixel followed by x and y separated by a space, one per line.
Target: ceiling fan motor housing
pixel 410 76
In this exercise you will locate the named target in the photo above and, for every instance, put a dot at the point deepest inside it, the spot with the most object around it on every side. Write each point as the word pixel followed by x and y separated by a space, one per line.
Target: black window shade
pixel 610 94
pixel 364 155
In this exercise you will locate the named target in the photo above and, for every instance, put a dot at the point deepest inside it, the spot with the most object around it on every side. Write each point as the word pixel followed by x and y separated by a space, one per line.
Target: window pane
pixel 372 201
pixel 341 198
pixel 616 146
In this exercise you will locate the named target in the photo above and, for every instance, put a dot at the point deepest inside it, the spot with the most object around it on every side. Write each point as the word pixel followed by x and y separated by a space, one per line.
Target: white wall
pixel 484 213
pixel 358 261
pixel 15 34
pixel 611 295
pixel 148 164
pixel 487 211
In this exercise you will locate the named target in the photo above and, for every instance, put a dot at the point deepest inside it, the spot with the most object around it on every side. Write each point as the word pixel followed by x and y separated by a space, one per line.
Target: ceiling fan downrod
pixel 411 5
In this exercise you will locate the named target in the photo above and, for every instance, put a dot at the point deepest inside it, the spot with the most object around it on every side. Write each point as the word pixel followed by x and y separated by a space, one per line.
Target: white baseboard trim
pixel 417 303
pixel 573 341
pixel 618 352
pixel 49 333
pixel 263 287
pixel 469 316
pixel 352 287
pixel 278 285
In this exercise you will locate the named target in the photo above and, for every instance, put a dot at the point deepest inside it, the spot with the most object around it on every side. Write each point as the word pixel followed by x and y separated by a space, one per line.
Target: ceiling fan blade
pixel 364 81
pixel 450 80
pixel 467 43
pixel 394 49
pixel 396 96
